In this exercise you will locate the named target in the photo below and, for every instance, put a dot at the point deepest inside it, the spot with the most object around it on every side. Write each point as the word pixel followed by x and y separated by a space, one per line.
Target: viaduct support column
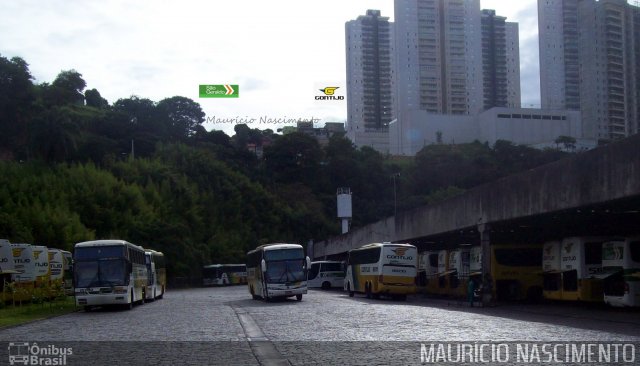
pixel 487 280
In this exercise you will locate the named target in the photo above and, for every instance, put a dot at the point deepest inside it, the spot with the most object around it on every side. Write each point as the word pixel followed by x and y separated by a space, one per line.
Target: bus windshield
pixel 101 273
pixel 99 252
pixel 283 254
pixel 283 271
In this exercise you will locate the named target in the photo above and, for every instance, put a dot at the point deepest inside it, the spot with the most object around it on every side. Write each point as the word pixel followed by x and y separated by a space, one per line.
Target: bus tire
pixel 326 285
pixel 367 290
pixel 299 297
pixel 87 308
pixel 144 296
pixel 161 293
pixel 129 306
pixel 351 293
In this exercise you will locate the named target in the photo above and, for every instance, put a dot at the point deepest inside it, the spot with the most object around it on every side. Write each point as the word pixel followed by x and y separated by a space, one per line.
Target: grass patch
pixel 14 315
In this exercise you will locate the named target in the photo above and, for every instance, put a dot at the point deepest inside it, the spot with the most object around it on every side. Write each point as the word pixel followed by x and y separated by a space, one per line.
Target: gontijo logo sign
pixel 399 254
pixel 329 93
pixel 219 91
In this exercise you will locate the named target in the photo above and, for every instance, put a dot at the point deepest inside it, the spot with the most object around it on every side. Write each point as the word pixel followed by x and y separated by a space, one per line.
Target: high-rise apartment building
pixel 369 79
pixel 590 61
pixel 500 61
pixel 439 56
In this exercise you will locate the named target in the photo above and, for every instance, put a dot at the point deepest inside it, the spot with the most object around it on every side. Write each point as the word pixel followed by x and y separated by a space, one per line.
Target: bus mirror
pixel 308 263
pixel 263 266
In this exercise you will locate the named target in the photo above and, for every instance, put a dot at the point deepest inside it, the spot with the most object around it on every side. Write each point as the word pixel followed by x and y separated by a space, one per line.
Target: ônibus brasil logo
pixel 219 91
pixel 329 93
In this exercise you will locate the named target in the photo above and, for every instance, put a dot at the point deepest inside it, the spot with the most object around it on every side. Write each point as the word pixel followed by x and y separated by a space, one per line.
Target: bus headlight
pixel 119 290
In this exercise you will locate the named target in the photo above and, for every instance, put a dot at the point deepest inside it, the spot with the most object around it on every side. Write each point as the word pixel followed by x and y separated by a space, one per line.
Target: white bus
pixel 277 270
pixel 156 275
pixel 326 274
pixel 109 272
pixel 224 274
pixel 24 264
pixel 382 269
pixel 621 272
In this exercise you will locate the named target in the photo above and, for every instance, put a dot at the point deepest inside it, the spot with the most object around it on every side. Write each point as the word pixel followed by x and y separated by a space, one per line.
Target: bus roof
pixel 222 265
pixel 275 246
pixel 385 244
pixel 326 262
pixel 103 243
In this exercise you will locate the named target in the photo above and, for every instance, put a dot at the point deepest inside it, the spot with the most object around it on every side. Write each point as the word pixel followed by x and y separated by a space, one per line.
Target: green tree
pixel 182 115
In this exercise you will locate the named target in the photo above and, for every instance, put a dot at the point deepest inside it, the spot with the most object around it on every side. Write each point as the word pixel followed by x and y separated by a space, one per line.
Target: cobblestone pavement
pixel 224 326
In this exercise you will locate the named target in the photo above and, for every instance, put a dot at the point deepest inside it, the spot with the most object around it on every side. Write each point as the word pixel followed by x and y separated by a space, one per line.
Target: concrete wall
pixel 600 175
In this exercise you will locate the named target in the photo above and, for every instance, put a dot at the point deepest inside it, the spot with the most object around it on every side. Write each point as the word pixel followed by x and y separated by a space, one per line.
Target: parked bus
pixel 551 271
pixel 156 274
pixel 224 274
pixel 56 268
pixel 621 272
pixel 581 261
pixel 326 274
pixel 7 270
pixel 277 270
pixel 24 280
pixel 515 270
pixel 41 262
pixel 382 269
pixel 458 272
pixel 109 272
pixel 431 260
pixel 67 268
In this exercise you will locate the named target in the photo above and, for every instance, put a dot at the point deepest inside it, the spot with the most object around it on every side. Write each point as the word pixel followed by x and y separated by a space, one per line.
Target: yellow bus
pixel 580 262
pixel 382 269
pixel 24 280
pixel 516 271
pixel 551 271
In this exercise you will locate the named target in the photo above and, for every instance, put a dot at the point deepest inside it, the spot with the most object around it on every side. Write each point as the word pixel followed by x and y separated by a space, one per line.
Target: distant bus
pixel 156 275
pixel 277 270
pixel 224 274
pixel 109 272
pixel 326 274
pixel 621 272
pixel 382 269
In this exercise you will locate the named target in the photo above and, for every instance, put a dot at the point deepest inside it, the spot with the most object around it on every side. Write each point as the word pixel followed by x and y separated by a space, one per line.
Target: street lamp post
pixel 395 194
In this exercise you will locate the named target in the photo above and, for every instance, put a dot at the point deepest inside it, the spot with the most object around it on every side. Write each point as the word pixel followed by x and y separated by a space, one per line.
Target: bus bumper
pixel 101 299
pixel 286 291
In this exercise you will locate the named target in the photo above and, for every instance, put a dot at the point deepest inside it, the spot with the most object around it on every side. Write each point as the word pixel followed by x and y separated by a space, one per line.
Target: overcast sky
pixel 279 52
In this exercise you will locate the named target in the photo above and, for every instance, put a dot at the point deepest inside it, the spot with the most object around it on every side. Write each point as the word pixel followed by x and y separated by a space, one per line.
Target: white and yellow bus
pixel 580 262
pixel 277 270
pixel 621 272
pixel 7 270
pixel 41 262
pixel 156 274
pixel 56 268
pixel 67 268
pixel 224 274
pixel 382 269
pixel 551 271
pixel 24 281
pixel 109 272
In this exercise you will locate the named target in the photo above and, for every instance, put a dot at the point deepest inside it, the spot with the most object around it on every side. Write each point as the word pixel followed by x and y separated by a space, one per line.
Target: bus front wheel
pixel 299 297
pixel 326 285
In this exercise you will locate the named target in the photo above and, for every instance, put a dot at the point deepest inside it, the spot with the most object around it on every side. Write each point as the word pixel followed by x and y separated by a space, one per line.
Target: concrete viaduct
pixel 592 193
